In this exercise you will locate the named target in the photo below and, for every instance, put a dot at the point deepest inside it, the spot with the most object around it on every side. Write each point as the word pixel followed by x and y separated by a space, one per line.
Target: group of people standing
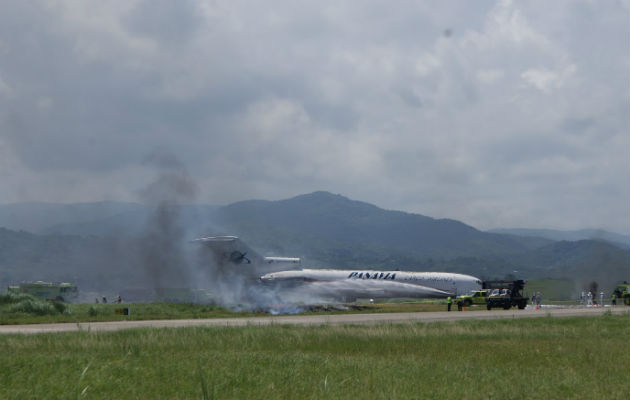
pixel 104 300
pixel 588 298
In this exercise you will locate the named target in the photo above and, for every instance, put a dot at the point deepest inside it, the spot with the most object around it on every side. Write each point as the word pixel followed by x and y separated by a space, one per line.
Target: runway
pixel 382 318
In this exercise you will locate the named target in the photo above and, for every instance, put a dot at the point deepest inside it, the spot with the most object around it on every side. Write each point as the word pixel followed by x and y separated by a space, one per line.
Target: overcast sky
pixel 495 113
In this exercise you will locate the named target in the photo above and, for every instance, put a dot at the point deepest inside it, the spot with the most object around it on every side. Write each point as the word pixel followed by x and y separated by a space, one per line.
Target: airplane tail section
pixel 230 253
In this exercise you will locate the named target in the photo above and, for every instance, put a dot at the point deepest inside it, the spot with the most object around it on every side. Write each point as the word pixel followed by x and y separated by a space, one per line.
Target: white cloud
pixel 371 100
pixel 545 80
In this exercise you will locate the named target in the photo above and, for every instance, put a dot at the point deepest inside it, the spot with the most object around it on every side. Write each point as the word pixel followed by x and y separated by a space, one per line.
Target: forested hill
pixel 572 236
pixel 325 222
pixel 326 230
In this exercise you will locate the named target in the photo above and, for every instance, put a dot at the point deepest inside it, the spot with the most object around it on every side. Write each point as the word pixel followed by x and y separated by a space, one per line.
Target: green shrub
pixel 60 306
pixel 33 306
pixel 27 304
pixel 92 312
pixel 12 298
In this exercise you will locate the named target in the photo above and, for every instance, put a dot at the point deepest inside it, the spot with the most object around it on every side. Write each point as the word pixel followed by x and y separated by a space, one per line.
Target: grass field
pixel 545 358
pixel 554 292
pixel 39 312
pixel 107 312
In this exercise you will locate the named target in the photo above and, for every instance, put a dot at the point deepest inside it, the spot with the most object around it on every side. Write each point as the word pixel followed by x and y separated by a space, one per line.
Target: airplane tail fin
pixel 230 253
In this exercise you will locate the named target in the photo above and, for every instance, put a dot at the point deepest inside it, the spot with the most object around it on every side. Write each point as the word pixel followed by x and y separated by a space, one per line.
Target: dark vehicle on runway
pixel 505 294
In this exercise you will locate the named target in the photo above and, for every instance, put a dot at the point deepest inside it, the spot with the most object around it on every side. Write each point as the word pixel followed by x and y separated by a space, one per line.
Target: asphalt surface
pixel 316 319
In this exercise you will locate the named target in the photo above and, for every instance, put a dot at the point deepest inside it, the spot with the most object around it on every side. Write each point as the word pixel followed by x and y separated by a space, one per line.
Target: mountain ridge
pixel 570 235
pixel 325 229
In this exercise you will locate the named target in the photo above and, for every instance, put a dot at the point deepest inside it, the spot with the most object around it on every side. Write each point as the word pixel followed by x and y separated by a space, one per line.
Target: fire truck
pixel 475 297
pixel 51 291
pixel 505 294
pixel 622 291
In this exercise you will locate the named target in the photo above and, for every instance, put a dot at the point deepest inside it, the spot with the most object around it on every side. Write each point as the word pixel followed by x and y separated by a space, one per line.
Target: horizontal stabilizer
pixel 229 252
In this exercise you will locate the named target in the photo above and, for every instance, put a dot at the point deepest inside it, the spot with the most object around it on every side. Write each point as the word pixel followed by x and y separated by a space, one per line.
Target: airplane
pixel 283 275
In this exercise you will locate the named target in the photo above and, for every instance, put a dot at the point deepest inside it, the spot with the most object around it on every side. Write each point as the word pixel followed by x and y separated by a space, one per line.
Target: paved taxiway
pixel 315 319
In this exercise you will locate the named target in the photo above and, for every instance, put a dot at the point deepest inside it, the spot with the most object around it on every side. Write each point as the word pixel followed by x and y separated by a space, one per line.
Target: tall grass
pixel 577 358
pixel 23 304
pixel 12 298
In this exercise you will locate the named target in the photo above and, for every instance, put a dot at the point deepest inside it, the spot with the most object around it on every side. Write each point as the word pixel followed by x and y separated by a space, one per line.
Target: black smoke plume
pixel 162 244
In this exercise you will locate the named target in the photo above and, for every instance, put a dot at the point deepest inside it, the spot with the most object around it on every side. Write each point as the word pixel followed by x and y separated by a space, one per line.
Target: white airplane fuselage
pixel 229 256
pixel 444 282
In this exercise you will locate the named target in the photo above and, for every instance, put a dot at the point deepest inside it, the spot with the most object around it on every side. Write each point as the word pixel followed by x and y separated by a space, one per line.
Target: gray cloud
pixel 516 117
pixel 165 21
